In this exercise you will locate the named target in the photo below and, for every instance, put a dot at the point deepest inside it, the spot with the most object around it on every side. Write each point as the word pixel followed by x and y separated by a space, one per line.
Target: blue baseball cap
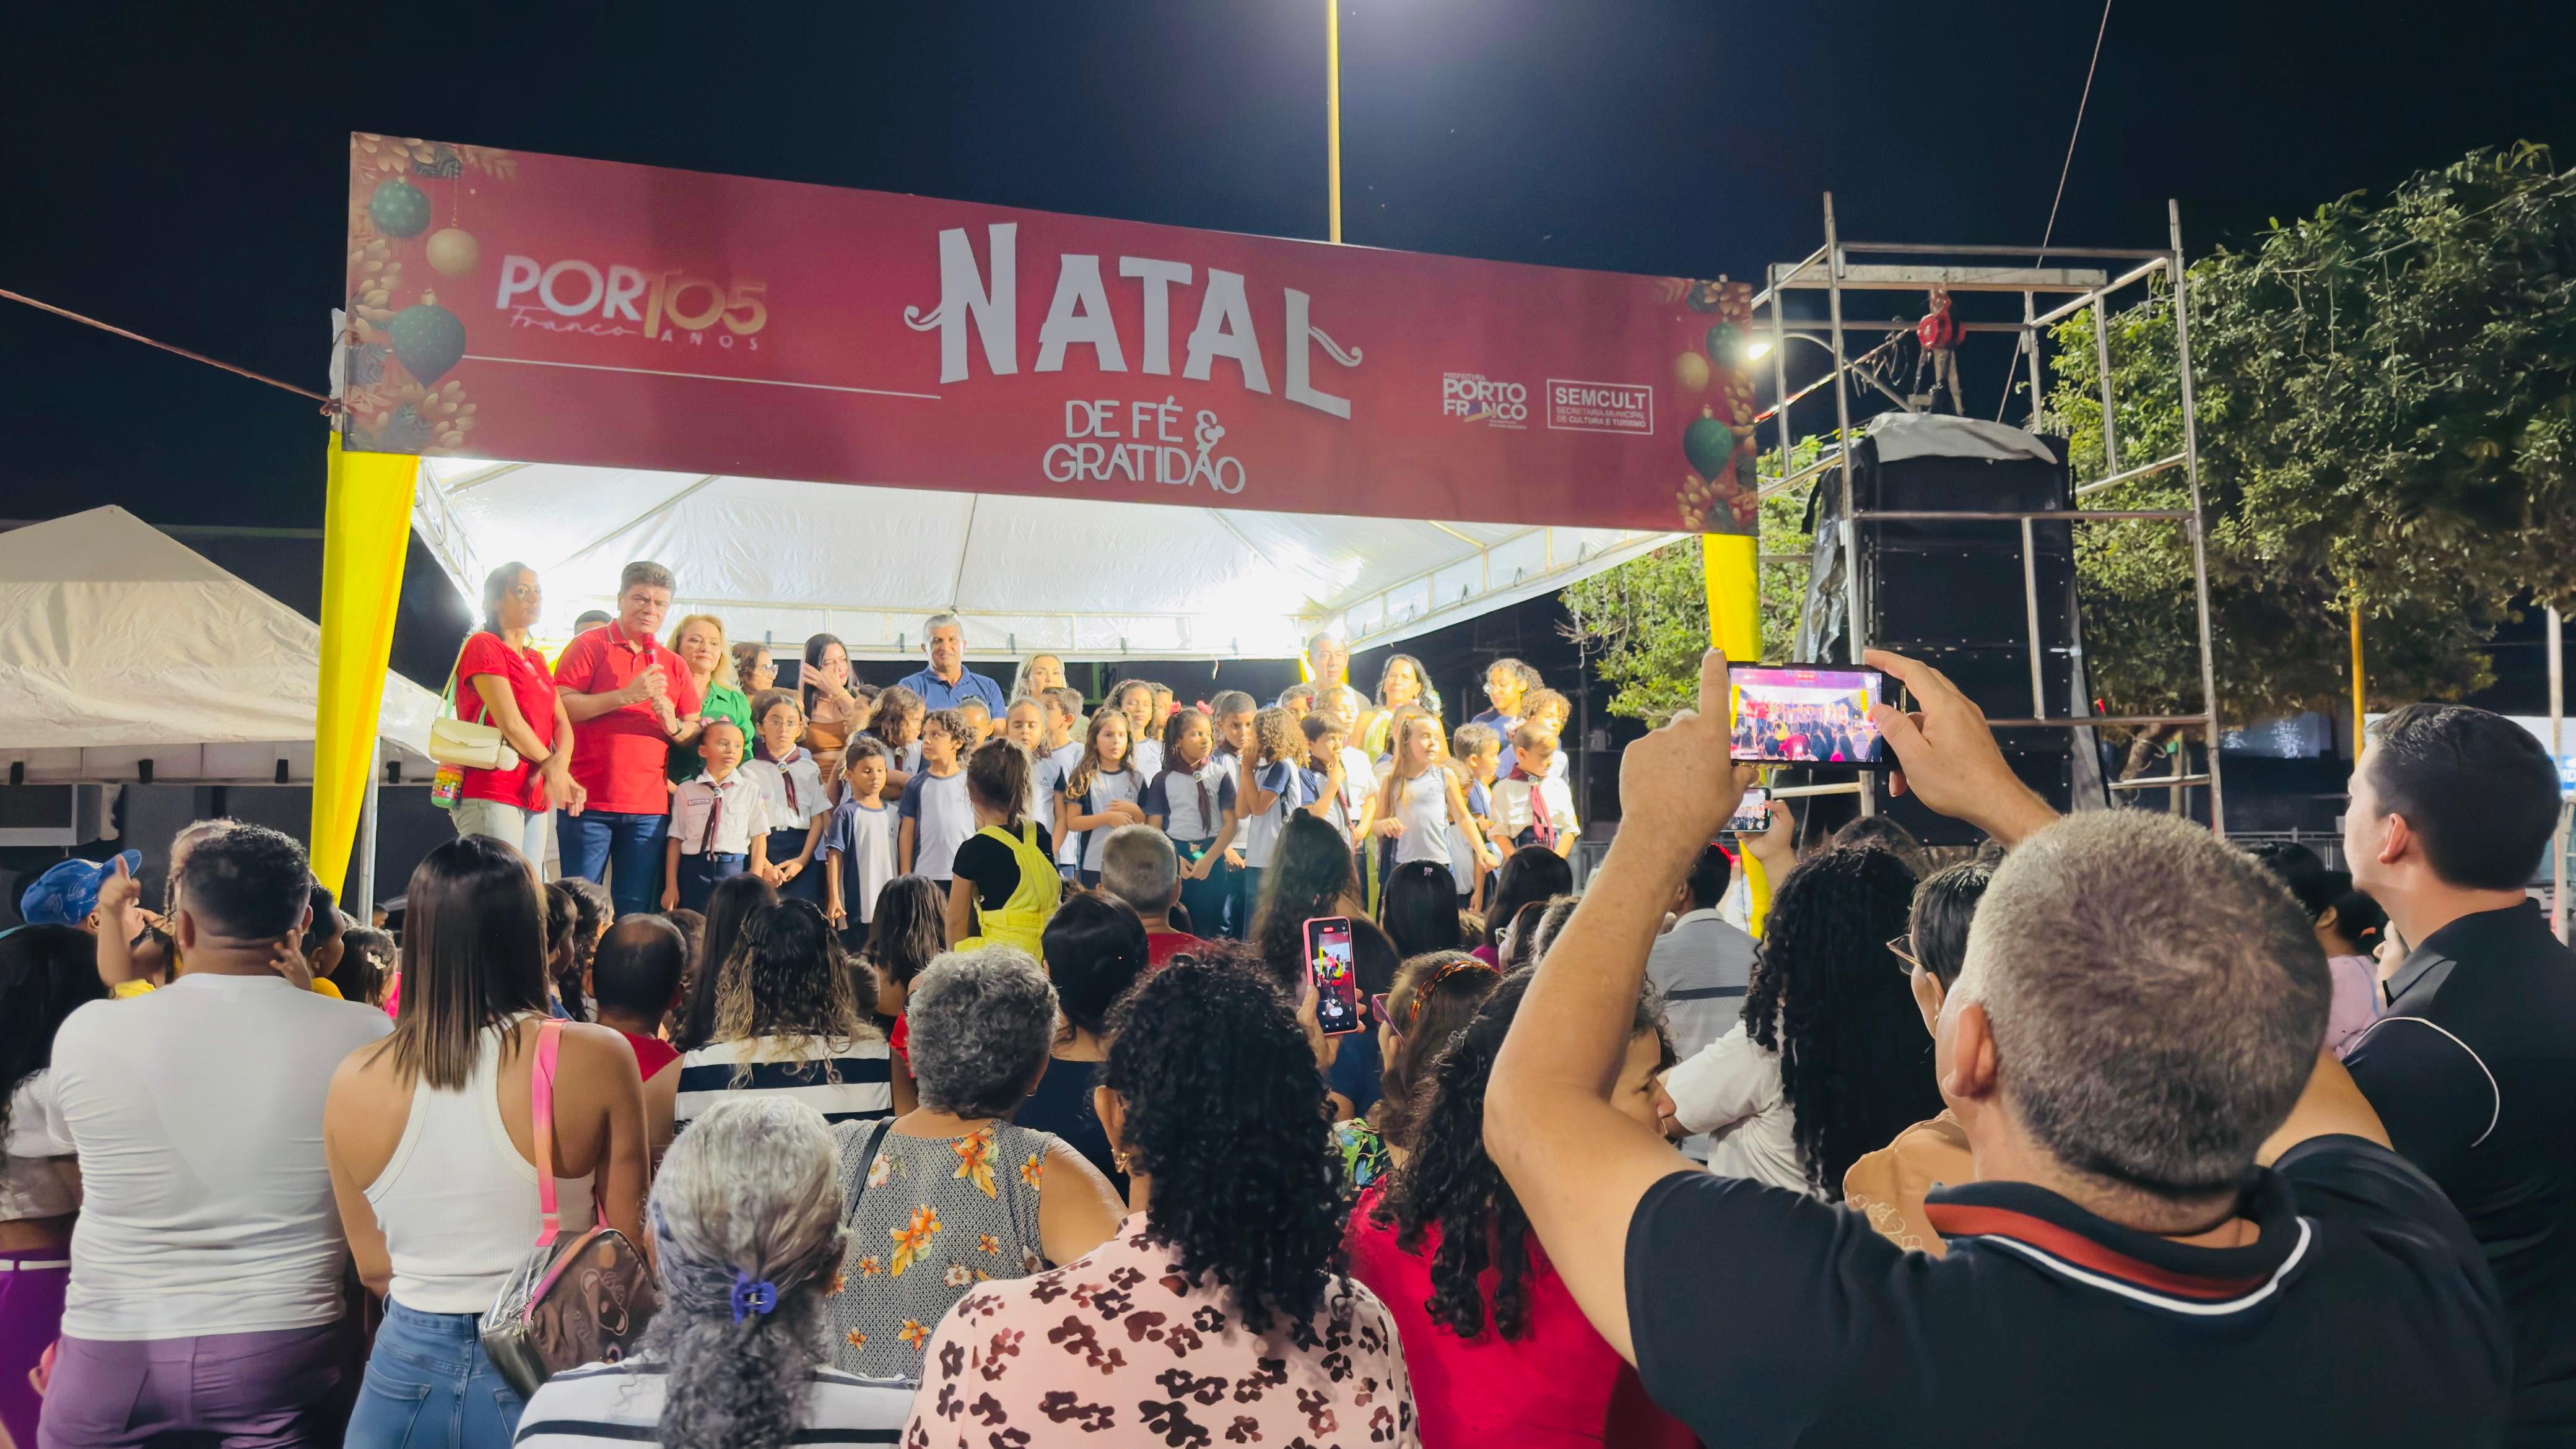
pixel 66 894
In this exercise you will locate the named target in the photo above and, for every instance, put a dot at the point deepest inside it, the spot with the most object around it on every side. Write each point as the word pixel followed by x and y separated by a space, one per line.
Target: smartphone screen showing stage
pixel 1799 714
pixel 1752 814
pixel 1328 959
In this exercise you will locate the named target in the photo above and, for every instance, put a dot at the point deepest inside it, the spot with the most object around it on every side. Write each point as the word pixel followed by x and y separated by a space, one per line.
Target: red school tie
pixel 715 813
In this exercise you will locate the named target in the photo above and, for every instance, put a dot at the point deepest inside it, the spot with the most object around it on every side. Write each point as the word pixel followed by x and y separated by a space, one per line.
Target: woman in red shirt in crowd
pixel 503 682
pixel 1498 1351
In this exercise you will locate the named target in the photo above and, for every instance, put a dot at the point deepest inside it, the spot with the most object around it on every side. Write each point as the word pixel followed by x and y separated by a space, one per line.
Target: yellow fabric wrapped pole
pixel 1729 562
pixel 366 530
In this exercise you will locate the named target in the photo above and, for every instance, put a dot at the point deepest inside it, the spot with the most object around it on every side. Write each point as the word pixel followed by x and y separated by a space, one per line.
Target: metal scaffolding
pixel 1998 269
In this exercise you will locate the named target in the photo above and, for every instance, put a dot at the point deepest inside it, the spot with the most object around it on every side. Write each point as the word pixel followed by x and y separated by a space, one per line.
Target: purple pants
pixel 237 1390
pixel 31 1313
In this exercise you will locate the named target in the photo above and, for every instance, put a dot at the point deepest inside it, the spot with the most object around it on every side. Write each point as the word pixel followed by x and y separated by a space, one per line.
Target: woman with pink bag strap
pixel 430 1137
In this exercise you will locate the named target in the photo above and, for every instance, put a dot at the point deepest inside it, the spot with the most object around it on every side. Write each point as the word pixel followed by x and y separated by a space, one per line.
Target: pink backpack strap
pixel 541 1102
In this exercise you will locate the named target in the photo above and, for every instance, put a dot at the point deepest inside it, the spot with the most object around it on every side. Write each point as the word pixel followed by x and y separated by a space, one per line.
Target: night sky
pixel 180 169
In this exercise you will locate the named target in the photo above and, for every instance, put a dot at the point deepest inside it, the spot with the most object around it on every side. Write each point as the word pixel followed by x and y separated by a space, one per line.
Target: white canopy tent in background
pixel 119 644
pixel 1093 578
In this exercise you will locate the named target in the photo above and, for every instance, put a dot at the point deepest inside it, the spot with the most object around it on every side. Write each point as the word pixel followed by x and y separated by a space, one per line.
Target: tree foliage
pixel 2386 399
pixel 2385 402
pixel 1648 618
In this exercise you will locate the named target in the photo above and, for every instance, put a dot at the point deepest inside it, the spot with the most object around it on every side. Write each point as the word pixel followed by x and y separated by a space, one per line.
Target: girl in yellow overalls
pixel 1004 885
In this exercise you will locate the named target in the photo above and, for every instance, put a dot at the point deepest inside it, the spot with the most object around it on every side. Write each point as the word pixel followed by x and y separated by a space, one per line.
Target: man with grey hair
pixel 632 700
pixel 1139 866
pixel 948 683
pixel 2139 1024
pixel 1005 1198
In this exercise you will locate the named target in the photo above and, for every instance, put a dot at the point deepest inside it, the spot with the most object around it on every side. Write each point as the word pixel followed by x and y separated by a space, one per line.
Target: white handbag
pixel 463 744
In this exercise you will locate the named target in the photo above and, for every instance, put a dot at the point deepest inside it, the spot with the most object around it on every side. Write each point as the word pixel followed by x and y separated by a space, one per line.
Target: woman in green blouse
pixel 700 642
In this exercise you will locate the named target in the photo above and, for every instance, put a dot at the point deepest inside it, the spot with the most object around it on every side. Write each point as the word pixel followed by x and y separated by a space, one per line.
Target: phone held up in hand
pixel 1328 961
pixel 1752 814
pixel 1806 714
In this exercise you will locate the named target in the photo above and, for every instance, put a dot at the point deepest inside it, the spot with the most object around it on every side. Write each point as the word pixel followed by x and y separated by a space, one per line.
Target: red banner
pixel 544 309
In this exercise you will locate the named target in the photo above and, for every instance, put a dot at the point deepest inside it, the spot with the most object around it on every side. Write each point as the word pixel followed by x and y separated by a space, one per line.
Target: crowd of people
pixel 944 1065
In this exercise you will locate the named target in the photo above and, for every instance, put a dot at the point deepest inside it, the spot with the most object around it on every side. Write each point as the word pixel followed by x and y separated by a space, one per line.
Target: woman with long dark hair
pixel 1434 997
pixel 1096 951
pixel 1310 876
pixel 1419 908
pixel 502 681
pixel 441 1208
pixel 790 1020
pixel 730 907
pixel 1830 1060
pixel 747 1239
pixel 1530 875
pixel 46 973
pixel 1499 1351
pixel 1231 1273
pixel 832 712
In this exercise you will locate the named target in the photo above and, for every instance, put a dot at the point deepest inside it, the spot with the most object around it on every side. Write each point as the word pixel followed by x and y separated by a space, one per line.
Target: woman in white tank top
pixel 430 1139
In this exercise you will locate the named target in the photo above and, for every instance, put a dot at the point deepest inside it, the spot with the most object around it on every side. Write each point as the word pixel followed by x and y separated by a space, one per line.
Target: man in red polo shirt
pixel 633 700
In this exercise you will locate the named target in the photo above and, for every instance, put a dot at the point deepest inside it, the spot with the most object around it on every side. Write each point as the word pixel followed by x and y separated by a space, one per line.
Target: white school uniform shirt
pixel 1422 803
pixel 1518 803
pixel 703 829
pixel 792 788
pixel 865 835
pixel 1106 789
pixel 1147 756
pixel 1262 831
pixel 600 1405
pixel 1053 768
pixel 943 815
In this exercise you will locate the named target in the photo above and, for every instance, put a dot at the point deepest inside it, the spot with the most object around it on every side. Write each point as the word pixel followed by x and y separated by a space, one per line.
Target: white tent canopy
pixel 118 644
pixel 1088 577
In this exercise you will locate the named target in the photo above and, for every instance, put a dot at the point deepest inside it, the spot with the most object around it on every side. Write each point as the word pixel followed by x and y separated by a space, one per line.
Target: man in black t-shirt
pixel 2139 1023
pixel 2473 1065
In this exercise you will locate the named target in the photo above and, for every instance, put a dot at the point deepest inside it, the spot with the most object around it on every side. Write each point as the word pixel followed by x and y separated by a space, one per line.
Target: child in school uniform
pixel 1476 753
pixel 1103 790
pixel 1508 683
pixel 979 723
pixel 1062 750
pixel 1298 700
pixel 859 850
pixel 1134 698
pixel 719 822
pixel 1533 806
pixel 1271 789
pixel 1323 772
pixel 792 788
pixel 1192 801
pixel 937 813
pixel 1542 707
pixel 897 726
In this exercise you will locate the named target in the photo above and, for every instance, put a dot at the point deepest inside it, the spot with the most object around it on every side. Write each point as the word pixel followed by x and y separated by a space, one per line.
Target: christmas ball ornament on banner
pixel 1725 344
pixel 1690 372
pixel 455 253
pixel 399 209
pixel 428 340
pixel 1707 442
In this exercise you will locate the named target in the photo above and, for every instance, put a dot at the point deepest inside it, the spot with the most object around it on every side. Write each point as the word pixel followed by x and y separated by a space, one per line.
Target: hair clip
pixel 750 1297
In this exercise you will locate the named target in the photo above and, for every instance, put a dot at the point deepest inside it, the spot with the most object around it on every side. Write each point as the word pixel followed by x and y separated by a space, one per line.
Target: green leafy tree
pixel 2385 395
pixel 1648 618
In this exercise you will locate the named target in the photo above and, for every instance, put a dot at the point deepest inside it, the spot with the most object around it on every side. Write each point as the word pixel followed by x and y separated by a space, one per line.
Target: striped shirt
pixel 848 1081
pixel 621 1404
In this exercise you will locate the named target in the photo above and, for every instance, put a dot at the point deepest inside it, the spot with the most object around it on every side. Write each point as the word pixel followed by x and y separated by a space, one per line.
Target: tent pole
pixel 361 900
pixel 1333 118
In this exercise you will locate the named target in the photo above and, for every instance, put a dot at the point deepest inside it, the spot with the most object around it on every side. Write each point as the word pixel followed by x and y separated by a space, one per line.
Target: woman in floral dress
pixel 1221 1313
pixel 951 1195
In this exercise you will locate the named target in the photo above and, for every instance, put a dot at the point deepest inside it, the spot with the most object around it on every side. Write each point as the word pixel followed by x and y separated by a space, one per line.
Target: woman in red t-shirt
pixel 501 681
pixel 1498 1351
